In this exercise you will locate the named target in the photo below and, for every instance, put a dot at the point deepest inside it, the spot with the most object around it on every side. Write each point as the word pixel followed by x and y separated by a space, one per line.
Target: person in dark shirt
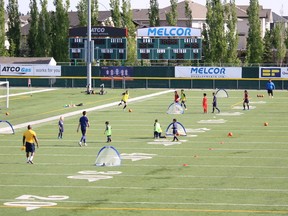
pixel 214 103
pixel 83 123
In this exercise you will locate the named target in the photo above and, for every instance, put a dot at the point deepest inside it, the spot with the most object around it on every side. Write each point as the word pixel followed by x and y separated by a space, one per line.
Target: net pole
pixel 7 95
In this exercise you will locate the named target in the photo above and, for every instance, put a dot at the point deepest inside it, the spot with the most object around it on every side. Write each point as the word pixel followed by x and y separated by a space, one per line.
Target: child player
pixel 205 103
pixel 175 130
pixel 214 103
pixel 61 127
pixel 246 100
pixel 183 99
pixel 108 131
pixel 125 96
pixel 176 97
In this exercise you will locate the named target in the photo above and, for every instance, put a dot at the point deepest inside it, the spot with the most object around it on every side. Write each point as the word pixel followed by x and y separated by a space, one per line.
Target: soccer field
pixel 206 173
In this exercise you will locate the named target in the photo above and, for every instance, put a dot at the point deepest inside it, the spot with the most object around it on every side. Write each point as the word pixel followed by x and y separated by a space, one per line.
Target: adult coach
pixel 29 140
pixel 270 87
pixel 83 123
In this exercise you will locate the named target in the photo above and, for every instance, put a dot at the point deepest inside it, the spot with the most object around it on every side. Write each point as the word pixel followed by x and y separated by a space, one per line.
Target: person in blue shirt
pixel 270 87
pixel 83 123
pixel 175 130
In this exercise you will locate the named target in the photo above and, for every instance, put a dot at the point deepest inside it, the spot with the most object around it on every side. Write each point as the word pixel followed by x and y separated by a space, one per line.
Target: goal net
pixel 4 94
pixel 6 128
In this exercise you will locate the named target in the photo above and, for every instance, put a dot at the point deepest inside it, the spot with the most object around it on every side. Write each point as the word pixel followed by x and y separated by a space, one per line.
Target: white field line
pixel 279 190
pixel 78 112
pixel 155 176
pixel 29 92
pixel 170 203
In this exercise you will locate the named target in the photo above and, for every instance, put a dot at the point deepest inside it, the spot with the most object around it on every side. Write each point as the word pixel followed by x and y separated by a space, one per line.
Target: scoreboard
pixel 104 48
pixel 169 48
pixel 107 43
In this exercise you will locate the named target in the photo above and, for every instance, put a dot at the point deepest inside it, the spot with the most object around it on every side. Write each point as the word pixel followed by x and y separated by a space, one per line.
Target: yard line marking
pixel 158 209
pixel 152 188
pixel 156 176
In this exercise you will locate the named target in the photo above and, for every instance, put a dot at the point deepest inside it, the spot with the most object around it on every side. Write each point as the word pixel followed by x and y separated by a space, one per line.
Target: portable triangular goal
pixel 222 93
pixel 175 108
pixel 6 127
pixel 108 156
pixel 180 129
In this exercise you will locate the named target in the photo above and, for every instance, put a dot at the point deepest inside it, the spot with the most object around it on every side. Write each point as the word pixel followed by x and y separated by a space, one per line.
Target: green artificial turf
pixel 206 173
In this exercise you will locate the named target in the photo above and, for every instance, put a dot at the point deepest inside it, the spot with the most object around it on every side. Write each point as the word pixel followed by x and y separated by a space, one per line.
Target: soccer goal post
pixel 4 92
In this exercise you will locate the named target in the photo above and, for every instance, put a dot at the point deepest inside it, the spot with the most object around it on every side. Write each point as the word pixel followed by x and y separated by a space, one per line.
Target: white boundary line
pixel 29 92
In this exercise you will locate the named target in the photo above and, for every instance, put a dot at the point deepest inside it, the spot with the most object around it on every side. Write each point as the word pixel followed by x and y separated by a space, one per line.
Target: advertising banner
pixel 208 72
pixel 169 31
pixel 29 70
pixel 116 71
pixel 273 72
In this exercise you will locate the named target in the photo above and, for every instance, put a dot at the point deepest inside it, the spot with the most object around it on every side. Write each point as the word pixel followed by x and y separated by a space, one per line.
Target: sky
pixel 275 5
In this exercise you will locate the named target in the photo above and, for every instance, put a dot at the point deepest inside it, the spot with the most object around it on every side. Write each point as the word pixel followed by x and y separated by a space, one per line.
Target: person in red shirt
pixel 246 100
pixel 205 103
pixel 176 97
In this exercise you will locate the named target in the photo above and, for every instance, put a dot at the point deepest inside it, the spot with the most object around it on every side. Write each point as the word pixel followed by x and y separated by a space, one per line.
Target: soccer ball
pixel 265 123
pixel 7 113
pixel 130 110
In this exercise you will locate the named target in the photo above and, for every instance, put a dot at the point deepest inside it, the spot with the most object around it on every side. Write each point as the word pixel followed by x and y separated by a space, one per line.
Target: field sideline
pixel 205 173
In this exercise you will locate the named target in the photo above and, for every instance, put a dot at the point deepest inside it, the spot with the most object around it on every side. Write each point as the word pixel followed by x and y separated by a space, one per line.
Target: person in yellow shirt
pixel 125 96
pixel 183 99
pixel 29 140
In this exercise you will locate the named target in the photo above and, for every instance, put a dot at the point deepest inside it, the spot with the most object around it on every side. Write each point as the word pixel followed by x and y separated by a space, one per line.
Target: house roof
pixel 198 11
pixel 277 18
pixel 30 60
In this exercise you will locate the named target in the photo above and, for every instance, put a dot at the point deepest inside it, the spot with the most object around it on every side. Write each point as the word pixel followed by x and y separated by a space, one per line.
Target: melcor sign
pixel 209 72
pixel 168 31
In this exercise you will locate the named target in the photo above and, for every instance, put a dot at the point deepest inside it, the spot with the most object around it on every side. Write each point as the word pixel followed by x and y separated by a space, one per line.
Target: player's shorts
pixel 30 147
pixel 246 101
pixel 270 91
pixel 83 130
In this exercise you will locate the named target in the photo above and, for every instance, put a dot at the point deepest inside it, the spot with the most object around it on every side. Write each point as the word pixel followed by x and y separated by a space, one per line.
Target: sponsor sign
pixel 273 72
pixel 98 31
pixel 209 72
pixel 168 31
pixel 29 70
pixel 116 71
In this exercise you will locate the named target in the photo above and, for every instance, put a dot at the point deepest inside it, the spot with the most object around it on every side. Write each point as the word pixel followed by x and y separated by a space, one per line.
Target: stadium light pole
pixel 89 60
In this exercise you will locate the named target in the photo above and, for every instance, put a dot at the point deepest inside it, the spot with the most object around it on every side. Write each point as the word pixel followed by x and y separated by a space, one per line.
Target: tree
pixel 128 21
pixel 254 40
pixel 188 14
pixel 44 36
pixel 33 30
pixel 279 41
pixel 215 41
pixel 82 9
pixel 231 35
pixel 172 15
pixel 267 52
pixel 115 13
pixel 13 33
pixel 60 31
pixel 3 51
pixel 153 13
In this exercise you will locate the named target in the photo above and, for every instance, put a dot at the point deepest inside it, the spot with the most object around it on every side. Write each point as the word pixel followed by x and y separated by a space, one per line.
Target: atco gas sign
pixel 35 70
pixel 168 31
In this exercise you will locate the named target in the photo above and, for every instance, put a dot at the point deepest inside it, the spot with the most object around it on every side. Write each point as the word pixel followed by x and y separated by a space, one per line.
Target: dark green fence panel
pixel 250 72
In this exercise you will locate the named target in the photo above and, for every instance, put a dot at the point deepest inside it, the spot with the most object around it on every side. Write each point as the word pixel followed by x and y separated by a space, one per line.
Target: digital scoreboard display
pixel 104 48
pixel 169 48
